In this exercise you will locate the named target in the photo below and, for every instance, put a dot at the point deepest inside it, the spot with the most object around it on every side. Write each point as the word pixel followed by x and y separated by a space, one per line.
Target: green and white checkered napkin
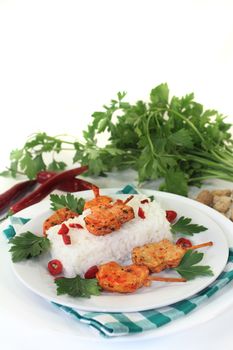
pixel 119 324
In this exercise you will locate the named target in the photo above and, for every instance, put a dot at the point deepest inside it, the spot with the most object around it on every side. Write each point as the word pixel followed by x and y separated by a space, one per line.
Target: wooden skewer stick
pixel 207 244
pixel 128 199
pixel 166 279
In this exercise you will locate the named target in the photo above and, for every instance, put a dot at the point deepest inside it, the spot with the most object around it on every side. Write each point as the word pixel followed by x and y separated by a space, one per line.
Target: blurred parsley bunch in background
pixel 171 138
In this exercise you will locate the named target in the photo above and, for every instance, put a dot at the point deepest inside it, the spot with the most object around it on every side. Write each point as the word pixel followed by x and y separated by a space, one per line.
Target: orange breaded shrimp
pixel 127 279
pixel 58 217
pixel 105 219
pixel 99 200
pixel 101 221
pixel 122 279
pixel 162 255
pixel 106 216
pixel 123 212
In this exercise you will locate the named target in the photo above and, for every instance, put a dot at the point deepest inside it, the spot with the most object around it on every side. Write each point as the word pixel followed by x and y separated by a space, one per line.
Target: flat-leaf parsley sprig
pixel 188 268
pixel 28 245
pixel 77 286
pixel 183 226
pixel 67 201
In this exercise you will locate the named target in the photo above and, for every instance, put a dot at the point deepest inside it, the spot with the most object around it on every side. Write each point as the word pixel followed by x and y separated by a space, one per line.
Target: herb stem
pixel 148 134
pixel 189 123
pixel 16 171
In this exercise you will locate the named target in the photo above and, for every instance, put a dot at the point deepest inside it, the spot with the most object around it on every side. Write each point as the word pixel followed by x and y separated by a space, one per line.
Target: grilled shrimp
pixel 122 279
pixel 162 255
pixel 158 256
pixel 57 218
pixel 97 201
pixel 101 221
pixel 107 218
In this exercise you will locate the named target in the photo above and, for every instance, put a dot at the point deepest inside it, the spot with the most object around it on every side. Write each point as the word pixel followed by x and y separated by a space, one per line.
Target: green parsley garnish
pixel 68 201
pixel 188 268
pixel 28 245
pixel 77 286
pixel 183 226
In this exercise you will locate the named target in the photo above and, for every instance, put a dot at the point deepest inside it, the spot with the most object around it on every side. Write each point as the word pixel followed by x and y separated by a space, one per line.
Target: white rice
pixel 87 249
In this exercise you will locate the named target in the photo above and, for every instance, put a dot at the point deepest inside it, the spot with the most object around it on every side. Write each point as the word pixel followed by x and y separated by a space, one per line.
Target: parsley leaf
pixel 56 166
pixel 28 245
pixel 77 287
pixel 68 201
pixel 32 166
pixel 5 173
pixel 181 138
pixel 188 268
pixel 159 95
pixel 183 226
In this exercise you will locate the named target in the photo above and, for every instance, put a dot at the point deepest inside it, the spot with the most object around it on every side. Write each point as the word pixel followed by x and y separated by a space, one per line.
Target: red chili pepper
pixel 66 239
pixel 44 176
pixel 18 190
pixel 144 201
pixel 71 185
pixel 91 272
pixel 55 267
pixel 184 242
pixel 75 226
pixel 171 215
pixel 63 230
pixel 46 188
pixel 141 213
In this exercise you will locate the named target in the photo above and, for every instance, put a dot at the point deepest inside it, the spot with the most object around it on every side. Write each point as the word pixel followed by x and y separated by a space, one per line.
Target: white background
pixel 62 60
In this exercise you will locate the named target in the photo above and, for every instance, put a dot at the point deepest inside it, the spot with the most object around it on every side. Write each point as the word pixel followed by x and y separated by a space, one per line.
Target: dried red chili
pixel 46 188
pixel 55 267
pixel 71 185
pixel 18 190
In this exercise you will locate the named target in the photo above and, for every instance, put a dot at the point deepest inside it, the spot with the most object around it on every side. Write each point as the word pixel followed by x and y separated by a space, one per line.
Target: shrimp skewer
pixel 162 255
pixel 127 279
pixel 153 257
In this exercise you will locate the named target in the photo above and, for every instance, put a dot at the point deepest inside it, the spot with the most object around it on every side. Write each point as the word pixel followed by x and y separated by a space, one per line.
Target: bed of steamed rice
pixel 87 249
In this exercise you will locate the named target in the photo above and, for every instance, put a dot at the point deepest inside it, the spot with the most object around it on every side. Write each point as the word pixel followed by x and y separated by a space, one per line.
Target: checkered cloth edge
pixel 121 324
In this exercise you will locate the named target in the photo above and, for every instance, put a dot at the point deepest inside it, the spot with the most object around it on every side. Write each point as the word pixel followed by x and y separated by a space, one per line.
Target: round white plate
pixel 33 273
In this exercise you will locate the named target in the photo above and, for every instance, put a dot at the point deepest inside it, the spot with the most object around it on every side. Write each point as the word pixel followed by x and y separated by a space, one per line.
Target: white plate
pixel 33 273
